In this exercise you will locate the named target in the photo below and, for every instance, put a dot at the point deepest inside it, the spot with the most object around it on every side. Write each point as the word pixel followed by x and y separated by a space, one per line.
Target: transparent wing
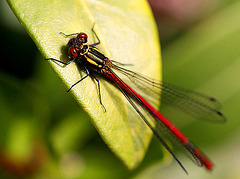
pixel 193 103
pixel 153 119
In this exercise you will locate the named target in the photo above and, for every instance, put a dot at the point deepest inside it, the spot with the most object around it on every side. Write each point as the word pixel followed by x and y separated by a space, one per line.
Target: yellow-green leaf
pixel 128 34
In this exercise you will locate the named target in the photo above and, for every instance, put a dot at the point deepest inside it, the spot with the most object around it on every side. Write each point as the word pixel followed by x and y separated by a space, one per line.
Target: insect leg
pixel 68 35
pixel 88 73
pixel 97 43
pixel 65 63
pixel 99 91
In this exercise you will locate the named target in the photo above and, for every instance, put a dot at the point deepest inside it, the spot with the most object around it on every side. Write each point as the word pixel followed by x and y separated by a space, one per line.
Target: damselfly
pixel 93 61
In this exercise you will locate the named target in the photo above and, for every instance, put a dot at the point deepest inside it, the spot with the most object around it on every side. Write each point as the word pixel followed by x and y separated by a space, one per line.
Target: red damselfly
pixel 200 105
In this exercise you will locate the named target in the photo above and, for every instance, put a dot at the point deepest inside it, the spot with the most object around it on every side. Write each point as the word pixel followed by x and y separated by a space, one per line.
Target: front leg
pixel 68 35
pixel 65 63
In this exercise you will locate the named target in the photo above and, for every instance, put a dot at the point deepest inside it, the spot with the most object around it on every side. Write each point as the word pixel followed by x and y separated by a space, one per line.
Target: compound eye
pixel 83 37
pixel 73 52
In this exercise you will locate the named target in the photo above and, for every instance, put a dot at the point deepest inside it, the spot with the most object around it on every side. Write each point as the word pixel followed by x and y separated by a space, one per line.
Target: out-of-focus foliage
pixel 38 116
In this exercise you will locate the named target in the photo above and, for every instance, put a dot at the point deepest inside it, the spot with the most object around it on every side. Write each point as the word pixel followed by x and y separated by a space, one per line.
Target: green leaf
pixel 128 34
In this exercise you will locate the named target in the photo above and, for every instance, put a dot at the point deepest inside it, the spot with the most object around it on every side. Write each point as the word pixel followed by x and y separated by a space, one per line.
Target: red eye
pixel 73 52
pixel 82 34
pixel 83 37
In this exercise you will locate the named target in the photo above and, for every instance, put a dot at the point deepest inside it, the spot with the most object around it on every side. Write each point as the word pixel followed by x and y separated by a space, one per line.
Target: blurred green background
pixel 45 134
